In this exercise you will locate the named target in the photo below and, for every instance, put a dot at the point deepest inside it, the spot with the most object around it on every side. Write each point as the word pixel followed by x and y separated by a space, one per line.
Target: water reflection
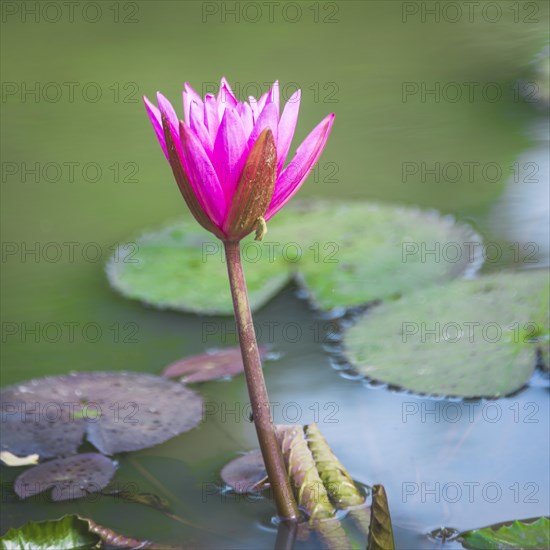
pixel 444 462
pixel 521 215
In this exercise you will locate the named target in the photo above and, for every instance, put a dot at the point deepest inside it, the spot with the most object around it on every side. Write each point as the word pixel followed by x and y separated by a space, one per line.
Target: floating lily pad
pixel 483 339
pixel 69 478
pixel 67 533
pixel 344 254
pixel 209 366
pixel 519 534
pixel 182 267
pixel 246 473
pixel 117 411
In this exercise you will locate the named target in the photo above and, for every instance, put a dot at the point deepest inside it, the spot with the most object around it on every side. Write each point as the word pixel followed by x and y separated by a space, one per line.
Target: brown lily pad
pixel 209 366
pixel 246 474
pixel 69 478
pixel 117 411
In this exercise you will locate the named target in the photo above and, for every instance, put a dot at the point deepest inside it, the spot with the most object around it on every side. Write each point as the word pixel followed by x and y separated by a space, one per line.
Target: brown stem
pixel 286 535
pixel 257 392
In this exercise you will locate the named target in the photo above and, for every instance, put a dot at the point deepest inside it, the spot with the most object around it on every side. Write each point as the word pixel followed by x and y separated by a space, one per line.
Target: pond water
pixel 443 462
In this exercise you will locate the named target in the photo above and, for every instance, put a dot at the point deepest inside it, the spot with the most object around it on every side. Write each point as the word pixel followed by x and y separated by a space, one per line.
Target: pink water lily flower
pixel 228 157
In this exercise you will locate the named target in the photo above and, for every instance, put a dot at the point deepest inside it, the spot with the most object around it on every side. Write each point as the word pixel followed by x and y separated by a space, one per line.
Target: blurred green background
pixel 102 176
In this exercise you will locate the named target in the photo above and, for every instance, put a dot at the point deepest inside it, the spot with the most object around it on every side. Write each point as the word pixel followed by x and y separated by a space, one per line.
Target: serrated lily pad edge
pixel 497 526
pixel 448 220
pixel 343 364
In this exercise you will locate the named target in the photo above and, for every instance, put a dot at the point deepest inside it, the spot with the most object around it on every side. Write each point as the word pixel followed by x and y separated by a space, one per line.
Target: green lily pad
pixel 182 267
pixel 68 532
pixel 467 338
pixel 344 254
pixel 516 535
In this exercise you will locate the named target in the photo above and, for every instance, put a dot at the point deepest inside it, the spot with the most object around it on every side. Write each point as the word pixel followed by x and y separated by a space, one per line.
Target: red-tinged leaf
pixel 246 474
pixel 113 539
pixel 209 366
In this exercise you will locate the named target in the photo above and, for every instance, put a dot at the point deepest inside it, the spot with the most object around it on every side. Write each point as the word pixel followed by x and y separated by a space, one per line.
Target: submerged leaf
pixel 67 533
pixel 345 254
pixel 468 338
pixel 514 535
pixel 209 366
pixel 118 412
pixel 246 474
pixel 380 532
pixel 148 499
pixel 113 539
pixel 72 477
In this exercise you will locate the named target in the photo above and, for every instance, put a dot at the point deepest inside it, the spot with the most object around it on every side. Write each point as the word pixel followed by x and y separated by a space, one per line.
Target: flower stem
pixel 257 391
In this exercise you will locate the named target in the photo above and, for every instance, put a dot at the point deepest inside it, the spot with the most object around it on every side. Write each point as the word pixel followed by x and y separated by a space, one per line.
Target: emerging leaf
pixel 340 486
pixel 380 532
pixel 309 488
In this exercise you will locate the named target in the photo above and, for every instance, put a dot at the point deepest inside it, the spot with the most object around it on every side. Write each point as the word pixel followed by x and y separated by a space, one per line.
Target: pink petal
pixel 211 120
pixel 267 119
pixel 156 121
pixel 297 171
pixel 225 98
pixel 245 112
pixel 254 108
pixel 166 107
pixel 230 152
pixel 196 123
pixel 189 95
pixel 261 102
pixel 287 125
pixel 202 176
pixel 192 199
pixel 273 96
